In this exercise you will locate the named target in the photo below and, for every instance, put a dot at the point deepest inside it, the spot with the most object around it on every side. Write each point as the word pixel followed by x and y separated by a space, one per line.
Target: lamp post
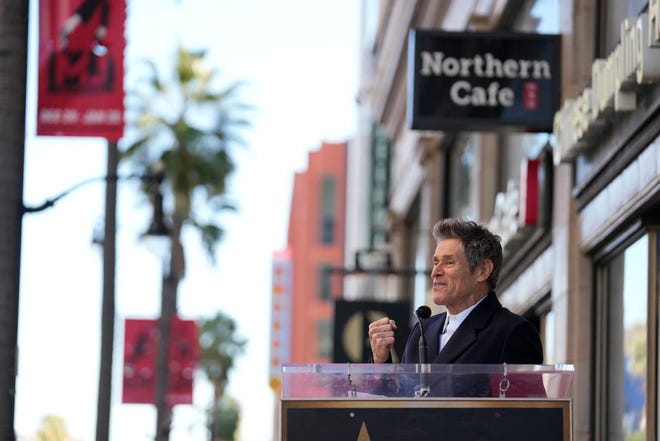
pixel 159 235
pixel 108 298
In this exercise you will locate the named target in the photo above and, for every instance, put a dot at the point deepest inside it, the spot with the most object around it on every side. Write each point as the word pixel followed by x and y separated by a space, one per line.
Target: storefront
pixel 585 269
pixel 610 136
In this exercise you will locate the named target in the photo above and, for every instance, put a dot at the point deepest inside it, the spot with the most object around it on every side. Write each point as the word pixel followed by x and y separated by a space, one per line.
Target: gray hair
pixel 479 243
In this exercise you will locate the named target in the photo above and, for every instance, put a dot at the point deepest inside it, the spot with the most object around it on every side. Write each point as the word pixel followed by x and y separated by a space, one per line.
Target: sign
pixel 522 204
pixel 426 420
pixel 81 68
pixel 140 347
pixel 483 80
pixel 351 328
pixel 140 352
pixel 615 80
pixel 280 318
pixel 528 212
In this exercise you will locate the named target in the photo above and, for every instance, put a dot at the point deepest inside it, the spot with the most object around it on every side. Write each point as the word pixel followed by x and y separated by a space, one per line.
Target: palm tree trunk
pixel 108 300
pixel 13 68
pixel 167 312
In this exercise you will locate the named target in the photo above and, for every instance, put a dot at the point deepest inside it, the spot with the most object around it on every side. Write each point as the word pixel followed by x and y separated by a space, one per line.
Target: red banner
pixel 81 68
pixel 140 349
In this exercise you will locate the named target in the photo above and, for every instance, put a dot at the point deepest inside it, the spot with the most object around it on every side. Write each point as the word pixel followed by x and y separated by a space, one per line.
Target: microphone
pixel 423 312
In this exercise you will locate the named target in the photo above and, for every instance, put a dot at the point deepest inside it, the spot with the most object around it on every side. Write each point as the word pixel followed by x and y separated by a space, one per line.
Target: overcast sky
pixel 300 59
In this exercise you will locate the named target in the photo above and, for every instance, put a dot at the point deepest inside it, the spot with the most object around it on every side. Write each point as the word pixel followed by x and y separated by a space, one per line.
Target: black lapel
pixel 432 334
pixel 466 334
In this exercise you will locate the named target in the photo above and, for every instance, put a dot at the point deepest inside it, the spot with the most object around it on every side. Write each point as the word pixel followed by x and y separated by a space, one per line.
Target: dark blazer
pixel 489 334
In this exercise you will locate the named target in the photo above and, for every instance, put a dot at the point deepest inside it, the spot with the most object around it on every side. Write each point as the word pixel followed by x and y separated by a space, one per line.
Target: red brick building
pixel 302 293
pixel 316 240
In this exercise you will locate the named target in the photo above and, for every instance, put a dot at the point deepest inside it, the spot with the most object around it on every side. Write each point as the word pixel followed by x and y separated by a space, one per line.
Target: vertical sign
pixel 81 68
pixel 182 356
pixel 140 343
pixel 528 213
pixel 280 330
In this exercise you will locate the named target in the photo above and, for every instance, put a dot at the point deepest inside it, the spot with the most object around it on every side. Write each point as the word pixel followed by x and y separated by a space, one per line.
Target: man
pixel 475 328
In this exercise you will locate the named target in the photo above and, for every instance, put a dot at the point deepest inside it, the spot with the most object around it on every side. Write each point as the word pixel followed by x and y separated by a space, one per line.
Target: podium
pixel 420 402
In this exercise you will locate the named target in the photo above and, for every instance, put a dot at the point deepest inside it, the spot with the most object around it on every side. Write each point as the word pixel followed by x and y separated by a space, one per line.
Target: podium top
pixel 398 380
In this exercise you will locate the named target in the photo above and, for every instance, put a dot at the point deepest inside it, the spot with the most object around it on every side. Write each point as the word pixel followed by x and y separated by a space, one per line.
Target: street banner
pixel 140 349
pixel 81 68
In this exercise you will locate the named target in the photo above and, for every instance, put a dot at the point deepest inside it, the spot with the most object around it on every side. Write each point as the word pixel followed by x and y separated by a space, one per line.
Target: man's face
pixel 454 286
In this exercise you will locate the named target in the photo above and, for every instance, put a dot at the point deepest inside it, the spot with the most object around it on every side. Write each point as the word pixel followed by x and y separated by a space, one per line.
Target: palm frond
pixel 195 156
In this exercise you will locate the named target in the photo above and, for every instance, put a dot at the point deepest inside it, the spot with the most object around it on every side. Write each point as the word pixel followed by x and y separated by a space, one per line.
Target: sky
pixel 300 60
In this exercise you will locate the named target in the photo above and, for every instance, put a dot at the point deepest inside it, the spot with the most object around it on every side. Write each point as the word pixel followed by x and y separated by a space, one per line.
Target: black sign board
pixel 426 420
pixel 483 80
pixel 351 328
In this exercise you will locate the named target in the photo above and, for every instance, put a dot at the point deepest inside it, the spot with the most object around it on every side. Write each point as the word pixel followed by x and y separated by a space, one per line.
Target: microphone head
pixel 423 312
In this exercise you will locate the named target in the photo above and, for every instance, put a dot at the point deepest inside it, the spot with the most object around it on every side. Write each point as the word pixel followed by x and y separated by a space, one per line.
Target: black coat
pixel 490 334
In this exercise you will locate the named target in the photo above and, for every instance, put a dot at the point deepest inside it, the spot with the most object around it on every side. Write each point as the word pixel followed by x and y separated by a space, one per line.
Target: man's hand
pixel 381 338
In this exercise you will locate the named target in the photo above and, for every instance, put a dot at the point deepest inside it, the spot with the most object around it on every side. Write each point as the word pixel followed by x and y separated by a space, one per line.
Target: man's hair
pixel 479 244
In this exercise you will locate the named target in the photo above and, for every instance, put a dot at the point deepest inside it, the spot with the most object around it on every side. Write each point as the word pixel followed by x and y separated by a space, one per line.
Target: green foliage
pixel 635 350
pixel 53 428
pixel 187 126
pixel 225 419
pixel 219 346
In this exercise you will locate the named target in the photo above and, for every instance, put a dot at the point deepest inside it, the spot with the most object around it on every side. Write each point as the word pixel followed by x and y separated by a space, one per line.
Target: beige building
pixel 584 266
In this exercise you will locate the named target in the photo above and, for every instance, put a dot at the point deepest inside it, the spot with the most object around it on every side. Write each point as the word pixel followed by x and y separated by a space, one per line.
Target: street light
pixel 158 239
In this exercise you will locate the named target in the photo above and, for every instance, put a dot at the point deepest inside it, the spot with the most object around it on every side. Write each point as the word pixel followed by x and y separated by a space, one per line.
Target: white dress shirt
pixel 452 322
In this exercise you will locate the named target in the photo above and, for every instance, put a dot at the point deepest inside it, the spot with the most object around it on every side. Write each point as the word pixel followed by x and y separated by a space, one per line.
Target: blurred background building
pixel 577 206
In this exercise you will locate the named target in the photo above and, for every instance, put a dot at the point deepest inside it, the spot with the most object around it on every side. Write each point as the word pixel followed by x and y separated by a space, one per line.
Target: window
pixel 328 221
pixel 547 324
pixel 622 390
pixel 543 317
pixel 325 281
pixel 541 16
pixel 324 329
pixel 380 186
pixel 460 172
pixel 611 14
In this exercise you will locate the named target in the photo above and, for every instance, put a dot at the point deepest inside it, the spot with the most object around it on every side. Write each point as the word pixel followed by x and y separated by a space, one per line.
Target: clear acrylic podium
pixel 458 402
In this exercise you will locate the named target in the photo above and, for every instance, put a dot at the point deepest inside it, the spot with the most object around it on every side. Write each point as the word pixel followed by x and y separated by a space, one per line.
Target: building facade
pixel 577 206
pixel 315 243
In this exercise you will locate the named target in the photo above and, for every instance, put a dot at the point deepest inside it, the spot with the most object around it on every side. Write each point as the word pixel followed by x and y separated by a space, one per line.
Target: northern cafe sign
pixel 483 80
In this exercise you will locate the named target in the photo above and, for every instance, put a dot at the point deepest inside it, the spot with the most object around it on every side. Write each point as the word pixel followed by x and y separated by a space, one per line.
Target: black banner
pixel 483 80
pixel 351 328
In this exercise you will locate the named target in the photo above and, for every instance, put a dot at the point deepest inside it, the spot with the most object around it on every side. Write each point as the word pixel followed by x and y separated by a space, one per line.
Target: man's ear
pixel 484 270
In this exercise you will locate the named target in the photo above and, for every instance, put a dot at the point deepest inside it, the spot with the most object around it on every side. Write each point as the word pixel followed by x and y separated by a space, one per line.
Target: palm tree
pixel 219 346
pixel 184 128
pixel 225 418
pixel 53 428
